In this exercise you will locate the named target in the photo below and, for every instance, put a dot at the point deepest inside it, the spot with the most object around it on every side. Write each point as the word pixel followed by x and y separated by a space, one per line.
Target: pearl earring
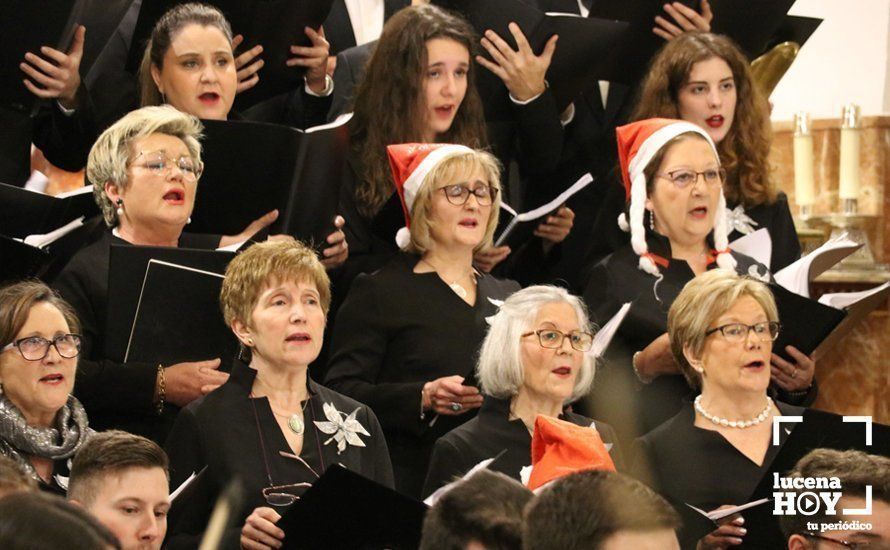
pixel 188 221
pixel 120 208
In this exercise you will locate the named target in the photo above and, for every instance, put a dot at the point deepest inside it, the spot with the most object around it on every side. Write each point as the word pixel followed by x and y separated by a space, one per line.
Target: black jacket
pixel 396 331
pixel 223 431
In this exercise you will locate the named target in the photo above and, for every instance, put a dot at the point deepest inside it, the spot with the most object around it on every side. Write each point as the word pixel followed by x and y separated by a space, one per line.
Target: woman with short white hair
pixel 534 361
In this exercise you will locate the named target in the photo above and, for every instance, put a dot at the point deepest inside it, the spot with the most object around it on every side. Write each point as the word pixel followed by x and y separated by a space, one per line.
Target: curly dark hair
pixel 744 150
pixel 389 102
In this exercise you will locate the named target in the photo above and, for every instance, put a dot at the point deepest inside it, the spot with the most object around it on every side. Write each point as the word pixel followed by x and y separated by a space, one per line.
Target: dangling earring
pixel 163 98
pixel 120 208
pixel 652 220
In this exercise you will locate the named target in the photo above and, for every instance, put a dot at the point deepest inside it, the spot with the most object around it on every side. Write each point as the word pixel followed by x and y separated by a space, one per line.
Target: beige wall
pixel 846 60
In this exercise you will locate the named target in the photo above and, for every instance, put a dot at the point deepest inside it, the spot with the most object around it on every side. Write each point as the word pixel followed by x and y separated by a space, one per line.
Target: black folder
pixel 582 53
pixel 805 322
pixel 751 23
pixel 642 43
pixel 794 28
pixel 819 430
pixel 28 25
pixel 24 212
pixel 345 510
pixel 252 168
pixel 276 24
pixel 20 261
pixel 191 335
pixel 174 297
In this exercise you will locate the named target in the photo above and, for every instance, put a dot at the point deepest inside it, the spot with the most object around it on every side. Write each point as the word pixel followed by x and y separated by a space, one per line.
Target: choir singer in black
pixel 270 425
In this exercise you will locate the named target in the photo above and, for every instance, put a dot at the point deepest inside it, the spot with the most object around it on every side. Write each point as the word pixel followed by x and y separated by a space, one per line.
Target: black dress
pixel 492 432
pixel 233 434
pixel 617 397
pixel 114 395
pixel 396 331
pixel 692 465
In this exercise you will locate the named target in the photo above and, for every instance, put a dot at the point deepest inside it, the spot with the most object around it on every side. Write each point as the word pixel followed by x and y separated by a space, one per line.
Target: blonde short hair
pixel 701 302
pixel 284 259
pixel 500 370
pixel 111 154
pixel 449 171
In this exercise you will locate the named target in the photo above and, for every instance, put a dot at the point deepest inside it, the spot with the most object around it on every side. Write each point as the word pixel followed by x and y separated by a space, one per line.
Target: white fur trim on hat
pixel 637 209
pixel 415 181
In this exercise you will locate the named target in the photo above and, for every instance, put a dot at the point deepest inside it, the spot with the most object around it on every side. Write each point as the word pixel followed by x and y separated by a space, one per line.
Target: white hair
pixel 500 370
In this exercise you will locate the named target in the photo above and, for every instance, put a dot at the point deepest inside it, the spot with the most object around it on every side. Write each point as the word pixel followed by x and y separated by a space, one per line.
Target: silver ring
pixel 793 373
pixel 456 407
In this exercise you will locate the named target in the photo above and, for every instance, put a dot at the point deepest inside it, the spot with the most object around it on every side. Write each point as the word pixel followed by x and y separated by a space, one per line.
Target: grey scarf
pixel 18 440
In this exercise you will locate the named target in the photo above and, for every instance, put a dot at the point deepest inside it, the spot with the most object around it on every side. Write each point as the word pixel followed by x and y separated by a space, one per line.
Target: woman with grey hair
pixel 144 170
pixel 534 361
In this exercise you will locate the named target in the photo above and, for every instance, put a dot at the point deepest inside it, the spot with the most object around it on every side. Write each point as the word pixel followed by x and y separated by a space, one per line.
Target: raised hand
pixel 60 76
pixel 521 70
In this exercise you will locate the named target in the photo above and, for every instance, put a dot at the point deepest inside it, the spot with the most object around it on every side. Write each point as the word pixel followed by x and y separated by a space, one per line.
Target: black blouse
pixel 114 395
pixel 777 220
pixel 398 330
pixel 696 466
pixel 618 397
pixel 492 432
pixel 235 435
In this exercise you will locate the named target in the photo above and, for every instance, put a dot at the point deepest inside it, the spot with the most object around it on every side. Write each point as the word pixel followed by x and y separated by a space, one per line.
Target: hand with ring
pixel 793 377
pixel 448 395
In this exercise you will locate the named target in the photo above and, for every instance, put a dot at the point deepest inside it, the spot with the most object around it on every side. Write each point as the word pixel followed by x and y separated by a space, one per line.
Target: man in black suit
pixel 340 29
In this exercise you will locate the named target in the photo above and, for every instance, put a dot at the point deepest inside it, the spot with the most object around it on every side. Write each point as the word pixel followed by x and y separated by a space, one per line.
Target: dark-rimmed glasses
pixel 158 163
pixel 552 339
pixel 738 332
pixel 684 177
pixel 35 348
pixel 459 193
pixel 848 544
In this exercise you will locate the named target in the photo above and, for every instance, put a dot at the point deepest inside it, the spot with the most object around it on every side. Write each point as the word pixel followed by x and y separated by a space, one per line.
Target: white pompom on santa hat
pixel 638 143
pixel 411 163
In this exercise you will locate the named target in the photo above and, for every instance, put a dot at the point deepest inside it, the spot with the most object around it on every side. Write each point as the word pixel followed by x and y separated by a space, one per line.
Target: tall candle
pixel 849 174
pixel 804 185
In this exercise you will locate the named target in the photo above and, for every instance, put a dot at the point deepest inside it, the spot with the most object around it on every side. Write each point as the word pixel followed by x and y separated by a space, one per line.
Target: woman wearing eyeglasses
pixel 678 228
pixel 406 337
pixel 145 170
pixel 41 424
pixel 533 361
pixel 717 448
pixel 270 425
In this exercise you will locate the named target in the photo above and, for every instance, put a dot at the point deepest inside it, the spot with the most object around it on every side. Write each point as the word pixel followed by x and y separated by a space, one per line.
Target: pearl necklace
pixel 764 414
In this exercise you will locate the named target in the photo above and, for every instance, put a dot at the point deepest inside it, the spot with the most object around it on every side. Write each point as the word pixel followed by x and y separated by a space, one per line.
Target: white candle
pixel 849 173
pixel 804 184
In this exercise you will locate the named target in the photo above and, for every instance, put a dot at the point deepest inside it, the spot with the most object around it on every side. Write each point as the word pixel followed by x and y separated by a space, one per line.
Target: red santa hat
pixel 560 448
pixel 638 143
pixel 411 163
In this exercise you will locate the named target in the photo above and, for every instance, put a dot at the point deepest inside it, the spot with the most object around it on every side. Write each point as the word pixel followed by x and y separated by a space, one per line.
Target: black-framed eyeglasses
pixel 684 177
pixel 157 162
pixel 552 338
pixel 738 332
pixel 35 348
pixel 459 193
pixel 848 544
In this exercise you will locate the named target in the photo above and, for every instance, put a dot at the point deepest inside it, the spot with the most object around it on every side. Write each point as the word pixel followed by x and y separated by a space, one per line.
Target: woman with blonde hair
pixel 406 337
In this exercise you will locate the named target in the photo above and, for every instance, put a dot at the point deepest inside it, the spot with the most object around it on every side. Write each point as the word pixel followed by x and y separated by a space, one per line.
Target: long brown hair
pixel 389 104
pixel 744 150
